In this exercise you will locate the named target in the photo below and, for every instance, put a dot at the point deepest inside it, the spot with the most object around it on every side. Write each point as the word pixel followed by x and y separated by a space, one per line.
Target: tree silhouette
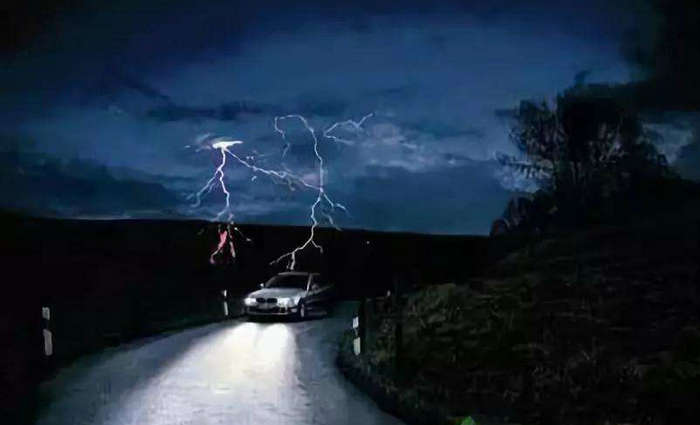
pixel 583 151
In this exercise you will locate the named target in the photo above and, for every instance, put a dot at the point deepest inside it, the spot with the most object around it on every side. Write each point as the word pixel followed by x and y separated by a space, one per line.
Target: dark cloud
pixel 40 184
pixel 665 47
pixel 132 85
pixel 21 23
pixel 505 113
pixel 224 112
pixel 380 199
pixel 321 105
pixel 142 87
pixel 313 104
pixel 163 108
pixel 443 130
pixel 400 91
pixel 662 46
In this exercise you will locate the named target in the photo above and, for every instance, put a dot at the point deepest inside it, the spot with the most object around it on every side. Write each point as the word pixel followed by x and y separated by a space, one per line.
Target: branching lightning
pixel 355 125
pixel 321 191
pixel 322 198
pixel 219 175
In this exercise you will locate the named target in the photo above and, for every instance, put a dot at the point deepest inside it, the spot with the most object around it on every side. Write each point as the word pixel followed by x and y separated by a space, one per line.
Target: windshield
pixel 288 281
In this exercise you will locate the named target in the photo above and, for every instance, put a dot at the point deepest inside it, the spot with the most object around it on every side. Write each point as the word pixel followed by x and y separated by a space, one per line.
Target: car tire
pixel 303 312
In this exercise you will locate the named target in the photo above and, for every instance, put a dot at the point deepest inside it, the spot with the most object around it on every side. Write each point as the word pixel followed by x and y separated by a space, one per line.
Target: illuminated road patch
pixel 229 373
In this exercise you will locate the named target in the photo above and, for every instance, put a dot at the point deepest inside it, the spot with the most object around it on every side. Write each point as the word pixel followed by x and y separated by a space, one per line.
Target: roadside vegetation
pixel 595 319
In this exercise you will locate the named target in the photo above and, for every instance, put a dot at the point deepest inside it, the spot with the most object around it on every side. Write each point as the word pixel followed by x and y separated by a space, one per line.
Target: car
pixel 289 294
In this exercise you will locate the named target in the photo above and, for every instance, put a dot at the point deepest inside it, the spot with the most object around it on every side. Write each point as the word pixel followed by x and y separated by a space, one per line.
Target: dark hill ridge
pixel 70 252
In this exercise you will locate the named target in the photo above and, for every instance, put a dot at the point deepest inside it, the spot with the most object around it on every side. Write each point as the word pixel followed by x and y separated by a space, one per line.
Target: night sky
pixel 102 104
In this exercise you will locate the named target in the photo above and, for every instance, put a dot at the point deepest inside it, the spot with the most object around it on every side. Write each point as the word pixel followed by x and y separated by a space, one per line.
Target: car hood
pixel 277 293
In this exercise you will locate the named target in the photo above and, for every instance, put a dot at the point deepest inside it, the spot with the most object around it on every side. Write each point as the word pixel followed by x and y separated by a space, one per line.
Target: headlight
pixel 287 302
pixel 249 301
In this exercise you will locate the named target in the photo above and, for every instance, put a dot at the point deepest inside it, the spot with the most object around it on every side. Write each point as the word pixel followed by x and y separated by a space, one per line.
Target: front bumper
pixel 271 311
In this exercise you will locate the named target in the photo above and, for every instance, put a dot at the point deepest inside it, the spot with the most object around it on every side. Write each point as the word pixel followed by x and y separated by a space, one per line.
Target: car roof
pixel 295 273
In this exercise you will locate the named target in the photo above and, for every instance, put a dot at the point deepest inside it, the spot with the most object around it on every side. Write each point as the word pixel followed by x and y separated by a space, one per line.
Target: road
pixel 234 372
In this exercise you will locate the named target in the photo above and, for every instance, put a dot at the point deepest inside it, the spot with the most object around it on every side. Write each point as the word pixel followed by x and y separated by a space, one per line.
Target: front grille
pixel 266 300
pixel 273 310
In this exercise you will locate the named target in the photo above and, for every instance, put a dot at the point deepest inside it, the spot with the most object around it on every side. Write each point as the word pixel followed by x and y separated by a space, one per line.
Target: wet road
pixel 227 373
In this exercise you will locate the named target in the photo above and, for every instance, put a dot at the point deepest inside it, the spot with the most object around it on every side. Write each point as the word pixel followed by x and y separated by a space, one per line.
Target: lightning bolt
pixel 354 125
pixel 223 144
pixel 321 191
pixel 219 175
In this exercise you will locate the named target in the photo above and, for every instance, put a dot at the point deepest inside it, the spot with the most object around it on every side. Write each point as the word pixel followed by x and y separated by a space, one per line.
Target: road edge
pixel 385 392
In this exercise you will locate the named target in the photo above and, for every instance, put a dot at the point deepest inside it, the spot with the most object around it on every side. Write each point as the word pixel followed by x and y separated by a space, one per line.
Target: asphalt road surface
pixel 235 372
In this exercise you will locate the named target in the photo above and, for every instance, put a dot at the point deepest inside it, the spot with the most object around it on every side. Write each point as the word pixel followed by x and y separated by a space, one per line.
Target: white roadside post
pixel 356 343
pixel 48 338
pixel 225 303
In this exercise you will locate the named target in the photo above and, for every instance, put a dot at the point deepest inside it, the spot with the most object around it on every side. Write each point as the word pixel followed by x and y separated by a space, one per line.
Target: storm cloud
pixel 130 87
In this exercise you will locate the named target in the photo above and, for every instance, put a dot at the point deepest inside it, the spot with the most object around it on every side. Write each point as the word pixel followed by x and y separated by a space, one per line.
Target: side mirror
pixel 314 286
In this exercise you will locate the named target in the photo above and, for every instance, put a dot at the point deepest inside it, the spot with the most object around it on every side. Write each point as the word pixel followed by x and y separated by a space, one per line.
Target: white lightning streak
pixel 356 125
pixel 321 196
pixel 223 145
pixel 219 175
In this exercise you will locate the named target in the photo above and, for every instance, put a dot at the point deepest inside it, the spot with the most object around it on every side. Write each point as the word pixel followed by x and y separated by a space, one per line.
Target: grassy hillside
pixel 597 326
